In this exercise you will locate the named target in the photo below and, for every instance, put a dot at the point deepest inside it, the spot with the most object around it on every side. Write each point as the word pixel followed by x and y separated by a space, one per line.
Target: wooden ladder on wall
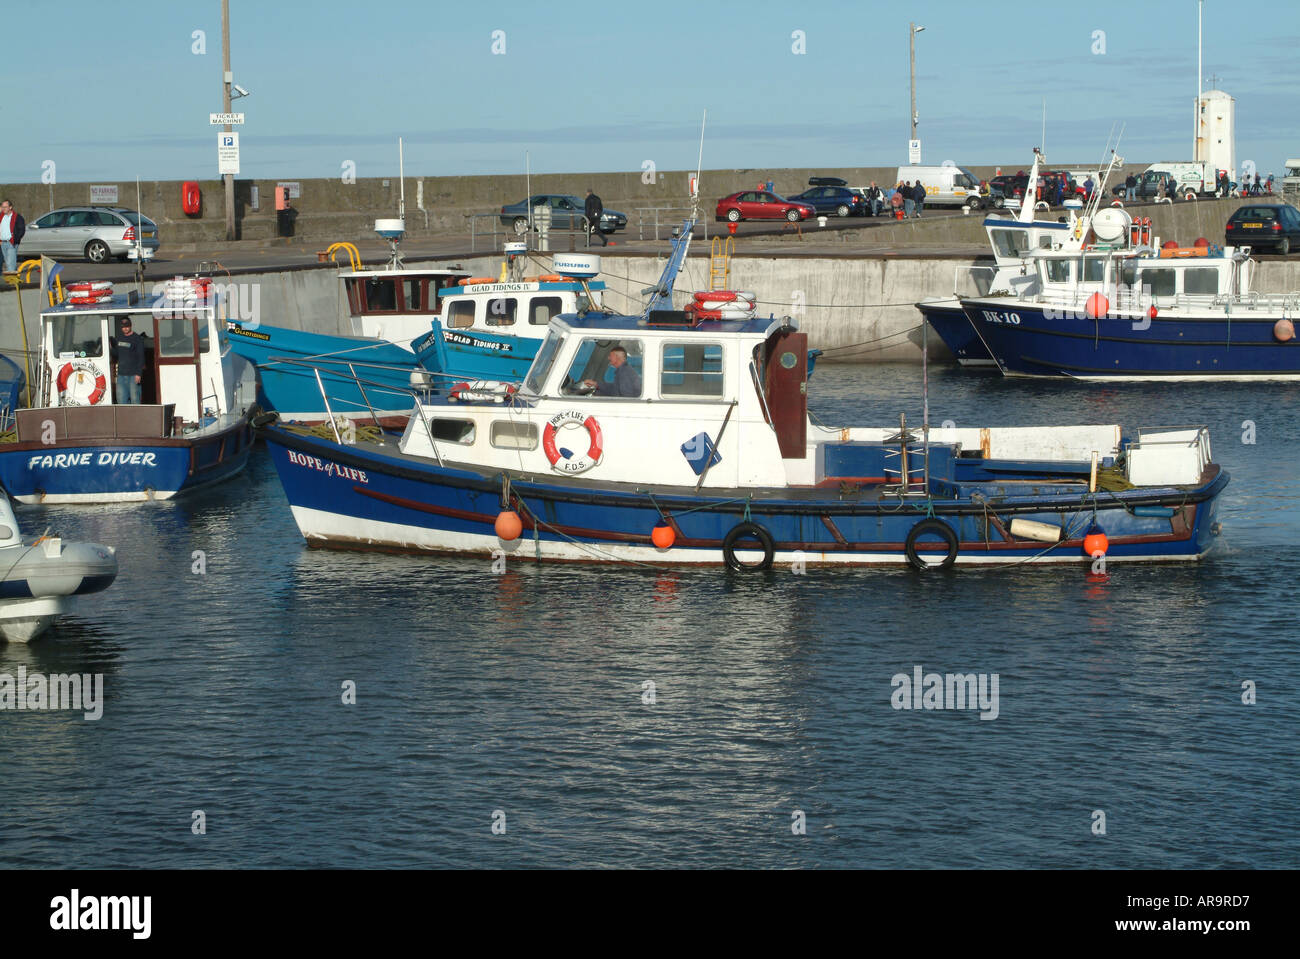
pixel 720 250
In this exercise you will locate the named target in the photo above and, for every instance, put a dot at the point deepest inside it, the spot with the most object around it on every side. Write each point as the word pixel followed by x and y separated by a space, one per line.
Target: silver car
pixel 95 232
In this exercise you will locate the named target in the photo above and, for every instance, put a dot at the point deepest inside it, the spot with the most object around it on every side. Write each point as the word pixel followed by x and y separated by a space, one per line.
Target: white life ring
pixel 73 379
pixel 562 461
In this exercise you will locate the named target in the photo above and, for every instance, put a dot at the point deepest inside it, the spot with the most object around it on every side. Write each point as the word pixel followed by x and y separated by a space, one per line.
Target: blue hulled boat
pixel 85 444
pixel 661 438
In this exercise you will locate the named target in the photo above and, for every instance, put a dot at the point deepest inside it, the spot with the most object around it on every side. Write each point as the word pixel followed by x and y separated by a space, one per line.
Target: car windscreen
pixel 1255 213
pixel 134 218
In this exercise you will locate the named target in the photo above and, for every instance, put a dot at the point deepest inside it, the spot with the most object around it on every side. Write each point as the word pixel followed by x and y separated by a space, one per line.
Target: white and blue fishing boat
pixel 82 443
pixel 704 453
pixel 1123 306
pixel 428 326
pixel 1012 239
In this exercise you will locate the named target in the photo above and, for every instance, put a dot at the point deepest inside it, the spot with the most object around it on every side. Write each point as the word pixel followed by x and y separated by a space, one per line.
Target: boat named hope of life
pixel 663 438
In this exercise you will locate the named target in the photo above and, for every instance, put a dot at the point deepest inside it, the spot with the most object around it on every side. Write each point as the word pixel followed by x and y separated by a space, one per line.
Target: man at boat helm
pixel 626 380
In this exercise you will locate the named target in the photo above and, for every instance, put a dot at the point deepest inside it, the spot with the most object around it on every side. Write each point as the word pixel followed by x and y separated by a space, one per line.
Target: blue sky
pixel 600 86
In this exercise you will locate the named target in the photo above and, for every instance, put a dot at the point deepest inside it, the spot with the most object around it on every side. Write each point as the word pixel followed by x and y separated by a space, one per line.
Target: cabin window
pixel 1161 282
pixel 1128 274
pixel 461 314
pixel 1058 271
pixel 79 335
pixel 593 364
pixel 1201 282
pixel 414 292
pixel 381 295
pixel 501 311
pixel 542 308
pixel 175 336
pixel 691 369
pixel 541 367
pixel 509 435
pixel 1045 241
pixel 452 431
pixel 1094 269
pixel 1011 243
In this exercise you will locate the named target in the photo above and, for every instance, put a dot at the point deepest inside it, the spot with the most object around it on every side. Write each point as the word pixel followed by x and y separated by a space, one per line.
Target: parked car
pixel 95 232
pixel 1275 225
pixel 1006 187
pixel 761 205
pixel 1148 186
pixel 839 200
pixel 567 211
pixel 944 185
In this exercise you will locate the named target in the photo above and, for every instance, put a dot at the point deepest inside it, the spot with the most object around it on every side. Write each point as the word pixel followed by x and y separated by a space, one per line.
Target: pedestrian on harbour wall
pixel 1087 188
pixel 918 194
pixel 873 198
pixel 12 228
pixel 1130 187
pixel 1258 188
pixel 593 209
pixel 909 198
pixel 1058 194
pixel 896 200
pixel 128 350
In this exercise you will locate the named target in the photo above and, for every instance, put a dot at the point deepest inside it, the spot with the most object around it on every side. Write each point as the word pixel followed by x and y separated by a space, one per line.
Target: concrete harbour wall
pixel 858 309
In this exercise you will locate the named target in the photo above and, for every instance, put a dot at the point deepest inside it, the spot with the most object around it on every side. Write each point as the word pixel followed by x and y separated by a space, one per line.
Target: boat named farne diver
pixel 84 443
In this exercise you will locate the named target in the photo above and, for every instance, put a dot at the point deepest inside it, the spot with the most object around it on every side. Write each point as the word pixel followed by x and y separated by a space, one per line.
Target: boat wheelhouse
pixel 1012 240
pixel 83 443
pixel 663 439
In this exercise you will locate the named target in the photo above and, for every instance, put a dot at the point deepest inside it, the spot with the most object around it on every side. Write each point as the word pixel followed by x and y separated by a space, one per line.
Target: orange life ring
pixel 88 287
pixel 101 384
pixel 478 279
pixel 566 462
pixel 551 278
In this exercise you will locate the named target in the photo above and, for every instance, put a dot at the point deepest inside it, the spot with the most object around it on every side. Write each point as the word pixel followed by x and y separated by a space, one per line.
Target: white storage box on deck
pixel 1168 457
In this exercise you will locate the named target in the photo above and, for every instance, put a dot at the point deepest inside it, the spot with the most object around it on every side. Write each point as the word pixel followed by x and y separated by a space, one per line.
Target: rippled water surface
pixel 522 694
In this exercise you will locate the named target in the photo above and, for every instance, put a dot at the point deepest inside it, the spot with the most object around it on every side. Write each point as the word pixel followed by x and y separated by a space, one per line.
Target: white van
pixel 944 185
pixel 1291 181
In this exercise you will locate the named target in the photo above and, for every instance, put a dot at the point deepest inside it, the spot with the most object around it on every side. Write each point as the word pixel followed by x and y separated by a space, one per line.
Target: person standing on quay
pixel 919 193
pixel 1130 188
pixel 909 198
pixel 12 228
pixel 593 209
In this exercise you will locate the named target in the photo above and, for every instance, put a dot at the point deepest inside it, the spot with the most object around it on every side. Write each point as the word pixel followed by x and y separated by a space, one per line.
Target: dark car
pixel 1006 187
pixel 1149 185
pixel 567 212
pixel 839 200
pixel 761 205
pixel 1275 225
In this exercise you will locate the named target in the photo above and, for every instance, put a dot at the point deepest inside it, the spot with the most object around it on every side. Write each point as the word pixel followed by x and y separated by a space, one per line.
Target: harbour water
pixel 523 699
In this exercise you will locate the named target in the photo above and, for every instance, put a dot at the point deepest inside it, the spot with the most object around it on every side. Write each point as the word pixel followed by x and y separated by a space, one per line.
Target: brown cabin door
pixel 785 387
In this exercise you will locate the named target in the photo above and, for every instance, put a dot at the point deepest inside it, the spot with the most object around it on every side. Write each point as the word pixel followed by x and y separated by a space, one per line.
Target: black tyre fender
pixel 748 531
pixel 931 526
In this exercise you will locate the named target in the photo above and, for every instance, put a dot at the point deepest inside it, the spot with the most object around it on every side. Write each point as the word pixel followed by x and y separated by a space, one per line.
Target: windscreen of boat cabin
pixel 79 335
pixel 592 364
pixel 543 362
pixel 1010 243
pixel 691 369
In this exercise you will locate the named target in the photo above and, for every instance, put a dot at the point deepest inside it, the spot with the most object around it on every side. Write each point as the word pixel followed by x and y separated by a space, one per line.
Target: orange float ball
pixel 1283 331
pixel 663 536
pixel 508 525
pixel 1095 543
pixel 1201 241
pixel 1097 307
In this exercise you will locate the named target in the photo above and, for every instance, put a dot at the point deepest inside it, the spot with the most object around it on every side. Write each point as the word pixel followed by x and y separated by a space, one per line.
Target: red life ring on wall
pixel 567 462
pixel 191 198
pixel 95 396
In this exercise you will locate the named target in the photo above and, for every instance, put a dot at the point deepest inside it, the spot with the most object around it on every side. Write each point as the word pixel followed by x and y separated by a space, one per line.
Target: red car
pixel 761 205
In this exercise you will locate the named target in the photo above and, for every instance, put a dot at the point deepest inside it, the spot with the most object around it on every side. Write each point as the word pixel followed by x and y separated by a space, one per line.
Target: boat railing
pixel 417 395
pixel 649 216
pixel 978 277
pixel 1255 300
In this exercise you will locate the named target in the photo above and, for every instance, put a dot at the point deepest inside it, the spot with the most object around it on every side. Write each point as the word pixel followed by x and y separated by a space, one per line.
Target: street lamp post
pixel 225 90
pixel 912 31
